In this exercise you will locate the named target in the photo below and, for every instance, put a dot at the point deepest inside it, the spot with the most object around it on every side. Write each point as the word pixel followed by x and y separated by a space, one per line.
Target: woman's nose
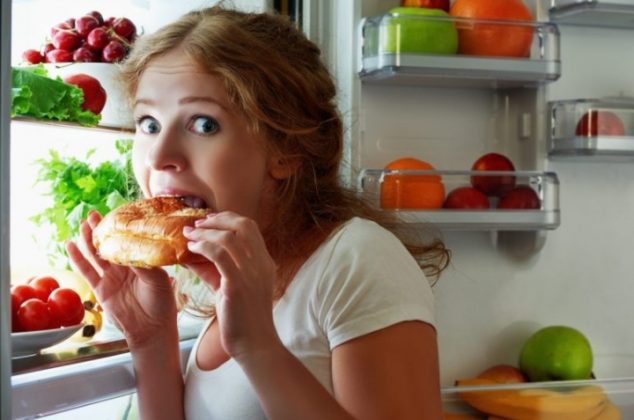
pixel 166 153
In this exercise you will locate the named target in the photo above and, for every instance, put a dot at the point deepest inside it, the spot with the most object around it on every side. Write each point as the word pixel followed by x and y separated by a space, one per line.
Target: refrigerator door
pixel 5 103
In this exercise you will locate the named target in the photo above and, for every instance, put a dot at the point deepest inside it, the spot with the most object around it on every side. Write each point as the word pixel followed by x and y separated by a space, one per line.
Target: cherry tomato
pixel 23 292
pixel 66 307
pixel 43 286
pixel 15 305
pixel 33 315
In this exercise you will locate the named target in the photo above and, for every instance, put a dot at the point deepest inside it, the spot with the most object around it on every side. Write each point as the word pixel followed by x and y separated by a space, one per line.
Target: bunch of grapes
pixel 89 38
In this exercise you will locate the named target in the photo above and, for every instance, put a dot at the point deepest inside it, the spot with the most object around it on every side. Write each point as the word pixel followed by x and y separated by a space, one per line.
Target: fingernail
pixel 187 229
pixel 199 222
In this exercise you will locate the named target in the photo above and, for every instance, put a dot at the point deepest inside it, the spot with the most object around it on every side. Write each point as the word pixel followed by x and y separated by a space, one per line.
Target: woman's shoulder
pixel 359 234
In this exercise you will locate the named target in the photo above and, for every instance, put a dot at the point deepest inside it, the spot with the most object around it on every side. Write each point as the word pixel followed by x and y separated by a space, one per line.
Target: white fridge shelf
pixel 392 190
pixel 387 58
pixel 597 13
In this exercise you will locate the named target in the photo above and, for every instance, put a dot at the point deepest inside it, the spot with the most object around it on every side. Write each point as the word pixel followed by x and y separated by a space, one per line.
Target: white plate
pixel 31 342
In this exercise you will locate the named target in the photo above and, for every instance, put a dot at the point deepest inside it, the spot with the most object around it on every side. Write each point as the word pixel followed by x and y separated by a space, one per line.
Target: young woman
pixel 321 313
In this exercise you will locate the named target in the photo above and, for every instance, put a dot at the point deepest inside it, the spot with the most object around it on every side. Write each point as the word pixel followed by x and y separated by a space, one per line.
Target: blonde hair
pixel 274 75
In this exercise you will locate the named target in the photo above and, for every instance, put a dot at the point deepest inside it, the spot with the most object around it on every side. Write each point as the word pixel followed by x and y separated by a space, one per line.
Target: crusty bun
pixel 147 233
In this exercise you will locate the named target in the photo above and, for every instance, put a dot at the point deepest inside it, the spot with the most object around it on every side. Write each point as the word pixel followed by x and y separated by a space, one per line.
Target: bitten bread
pixel 147 233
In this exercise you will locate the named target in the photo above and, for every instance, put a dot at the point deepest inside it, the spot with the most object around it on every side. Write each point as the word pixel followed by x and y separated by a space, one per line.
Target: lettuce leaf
pixel 35 94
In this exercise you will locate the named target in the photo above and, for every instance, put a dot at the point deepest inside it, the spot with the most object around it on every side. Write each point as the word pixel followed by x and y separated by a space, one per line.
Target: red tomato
pixel 66 307
pixel 15 305
pixel 23 292
pixel 33 315
pixel 43 286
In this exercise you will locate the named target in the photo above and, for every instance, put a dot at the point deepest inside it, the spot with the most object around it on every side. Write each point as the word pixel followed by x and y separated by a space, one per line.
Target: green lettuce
pixel 36 95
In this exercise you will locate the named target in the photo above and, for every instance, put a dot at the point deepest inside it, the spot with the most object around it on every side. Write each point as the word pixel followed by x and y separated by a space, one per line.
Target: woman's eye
pixel 149 125
pixel 204 125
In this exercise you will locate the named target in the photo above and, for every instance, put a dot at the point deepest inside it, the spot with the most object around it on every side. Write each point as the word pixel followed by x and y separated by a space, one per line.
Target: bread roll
pixel 147 233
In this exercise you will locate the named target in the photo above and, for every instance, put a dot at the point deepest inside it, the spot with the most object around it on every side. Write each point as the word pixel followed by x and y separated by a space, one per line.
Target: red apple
pixel 520 197
pixel 466 198
pixel 430 4
pixel 504 374
pixel 493 185
pixel 605 123
pixel 94 93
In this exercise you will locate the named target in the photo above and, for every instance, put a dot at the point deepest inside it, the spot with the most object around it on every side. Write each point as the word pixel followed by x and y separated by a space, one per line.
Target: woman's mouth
pixel 193 201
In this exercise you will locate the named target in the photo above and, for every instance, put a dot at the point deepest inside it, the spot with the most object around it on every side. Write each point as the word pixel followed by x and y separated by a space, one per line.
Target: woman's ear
pixel 282 168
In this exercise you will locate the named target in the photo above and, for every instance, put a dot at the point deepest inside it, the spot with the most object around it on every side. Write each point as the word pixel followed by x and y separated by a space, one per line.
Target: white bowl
pixel 116 112
pixel 32 342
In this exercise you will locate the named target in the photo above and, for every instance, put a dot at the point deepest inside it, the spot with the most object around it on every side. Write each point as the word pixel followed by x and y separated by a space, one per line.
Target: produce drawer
pixel 578 400
pixel 592 127
pixel 422 196
pixel 399 49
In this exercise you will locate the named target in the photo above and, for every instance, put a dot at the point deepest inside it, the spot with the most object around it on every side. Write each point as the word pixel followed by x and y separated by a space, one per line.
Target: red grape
pixel 125 28
pixel 59 27
pixel 85 24
pixel 66 40
pixel 113 52
pixel 59 56
pixel 32 56
pixel 84 54
pixel 108 22
pixel 46 48
pixel 97 39
pixel 97 16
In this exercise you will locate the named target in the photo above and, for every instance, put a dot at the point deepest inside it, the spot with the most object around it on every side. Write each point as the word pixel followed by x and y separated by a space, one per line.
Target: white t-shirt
pixel 360 280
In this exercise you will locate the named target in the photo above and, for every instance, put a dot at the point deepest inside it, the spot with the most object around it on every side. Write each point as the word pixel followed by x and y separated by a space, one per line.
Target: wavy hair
pixel 274 75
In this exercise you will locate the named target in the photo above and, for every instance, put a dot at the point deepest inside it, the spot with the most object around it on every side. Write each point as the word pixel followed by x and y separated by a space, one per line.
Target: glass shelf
pixel 398 191
pixel 577 399
pixel 67 124
pixel 592 128
pixel 392 53
pixel 596 13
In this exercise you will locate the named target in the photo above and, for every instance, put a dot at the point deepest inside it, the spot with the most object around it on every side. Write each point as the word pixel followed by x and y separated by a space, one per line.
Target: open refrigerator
pixel 566 262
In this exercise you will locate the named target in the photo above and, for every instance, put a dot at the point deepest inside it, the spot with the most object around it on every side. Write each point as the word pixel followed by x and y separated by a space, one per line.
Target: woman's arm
pixel 159 379
pixel 388 374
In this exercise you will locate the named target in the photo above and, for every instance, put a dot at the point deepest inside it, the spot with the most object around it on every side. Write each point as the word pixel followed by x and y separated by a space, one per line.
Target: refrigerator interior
pixel 503 286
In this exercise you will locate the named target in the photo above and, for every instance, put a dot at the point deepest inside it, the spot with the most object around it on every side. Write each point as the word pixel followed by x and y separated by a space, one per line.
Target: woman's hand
pixel 140 301
pixel 242 273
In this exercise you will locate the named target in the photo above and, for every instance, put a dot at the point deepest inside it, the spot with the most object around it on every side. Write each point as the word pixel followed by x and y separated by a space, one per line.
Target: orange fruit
pixel 411 191
pixel 489 39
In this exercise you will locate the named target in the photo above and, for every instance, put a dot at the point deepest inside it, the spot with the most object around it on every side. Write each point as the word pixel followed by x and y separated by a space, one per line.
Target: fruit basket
pixel 452 200
pixel 611 13
pixel 579 400
pixel 451 51
pixel 592 127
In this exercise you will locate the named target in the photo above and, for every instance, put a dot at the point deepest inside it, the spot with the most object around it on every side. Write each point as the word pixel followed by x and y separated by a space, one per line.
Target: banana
pixel 609 412
pixel 582 403
pixel 93 321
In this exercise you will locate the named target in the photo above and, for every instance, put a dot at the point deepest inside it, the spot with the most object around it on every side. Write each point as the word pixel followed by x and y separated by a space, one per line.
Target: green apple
pixel 556 353
pixel 417 30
